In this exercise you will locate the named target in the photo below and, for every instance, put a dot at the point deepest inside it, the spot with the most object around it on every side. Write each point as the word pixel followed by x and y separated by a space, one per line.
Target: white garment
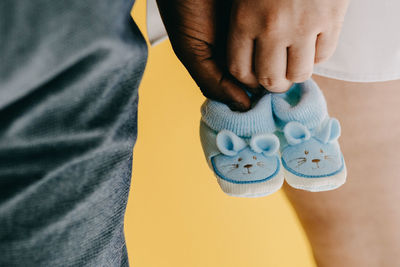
pixel 369 44
pixel 155 28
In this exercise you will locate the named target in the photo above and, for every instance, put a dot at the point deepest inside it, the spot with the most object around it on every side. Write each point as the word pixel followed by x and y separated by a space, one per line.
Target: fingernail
pixel 236 106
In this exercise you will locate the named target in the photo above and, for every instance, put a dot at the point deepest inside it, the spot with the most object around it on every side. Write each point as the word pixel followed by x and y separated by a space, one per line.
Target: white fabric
pixel 369 44
pixel 155 27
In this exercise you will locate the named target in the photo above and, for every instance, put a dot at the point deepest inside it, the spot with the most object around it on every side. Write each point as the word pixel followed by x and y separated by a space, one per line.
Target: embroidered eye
pixel 239 159
pixel 321 150
pixel 306 152
pixel 254 157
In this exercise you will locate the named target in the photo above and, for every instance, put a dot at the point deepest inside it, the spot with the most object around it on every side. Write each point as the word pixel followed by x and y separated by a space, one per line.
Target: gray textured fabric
pixel 69 75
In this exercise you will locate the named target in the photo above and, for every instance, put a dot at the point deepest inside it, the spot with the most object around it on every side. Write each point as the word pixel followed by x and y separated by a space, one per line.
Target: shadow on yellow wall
pixel 177 216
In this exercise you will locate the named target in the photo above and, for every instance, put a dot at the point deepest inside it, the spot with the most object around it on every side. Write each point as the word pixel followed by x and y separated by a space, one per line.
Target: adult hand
pixel 271 43
pixel 276 42
pixel 197 30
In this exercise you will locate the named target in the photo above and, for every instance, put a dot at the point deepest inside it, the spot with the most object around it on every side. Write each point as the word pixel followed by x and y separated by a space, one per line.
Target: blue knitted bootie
pixel 241 148
pixel 310 152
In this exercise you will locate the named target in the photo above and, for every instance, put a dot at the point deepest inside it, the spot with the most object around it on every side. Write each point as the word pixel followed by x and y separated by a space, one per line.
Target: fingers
pixel 276 43
pixel 270 65
pixel 216 84
pixel 300 62
pixel 325 46
pixel 240 57
pixel 194 32
pixel 240 51
pixel 278 66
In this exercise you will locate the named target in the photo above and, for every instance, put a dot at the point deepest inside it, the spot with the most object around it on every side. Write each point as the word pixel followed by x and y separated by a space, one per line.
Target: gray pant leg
pixel 69 77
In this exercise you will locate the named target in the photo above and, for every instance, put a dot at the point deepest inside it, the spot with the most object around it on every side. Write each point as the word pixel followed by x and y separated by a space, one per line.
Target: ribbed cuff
pixel 259 119
pixel 303 103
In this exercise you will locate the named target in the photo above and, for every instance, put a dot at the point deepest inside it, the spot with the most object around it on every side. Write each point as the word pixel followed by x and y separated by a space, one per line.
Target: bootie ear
pixel 330 132
pixel 296 133
pixel 267 144
pixel 229 143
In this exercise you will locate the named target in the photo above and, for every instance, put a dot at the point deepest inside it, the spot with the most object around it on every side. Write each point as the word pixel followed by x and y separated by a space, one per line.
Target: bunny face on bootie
pixel 312 155
pixel 242 162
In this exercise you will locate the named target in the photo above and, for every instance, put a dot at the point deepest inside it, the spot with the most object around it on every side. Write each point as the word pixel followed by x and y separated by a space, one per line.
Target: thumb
pixel 217 84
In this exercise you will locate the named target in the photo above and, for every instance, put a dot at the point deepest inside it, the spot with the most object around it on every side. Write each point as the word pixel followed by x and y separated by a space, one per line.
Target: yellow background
pixel 177 216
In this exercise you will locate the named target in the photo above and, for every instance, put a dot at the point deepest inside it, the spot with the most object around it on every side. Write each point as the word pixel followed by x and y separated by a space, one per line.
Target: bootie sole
pixel 251 190
pixel 316 184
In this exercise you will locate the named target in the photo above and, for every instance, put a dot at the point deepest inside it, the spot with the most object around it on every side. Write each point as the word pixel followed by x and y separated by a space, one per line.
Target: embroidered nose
pixel 248 166
pixel 316 160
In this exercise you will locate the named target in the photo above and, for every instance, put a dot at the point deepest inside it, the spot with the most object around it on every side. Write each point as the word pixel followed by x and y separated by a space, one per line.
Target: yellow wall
pixel 177 216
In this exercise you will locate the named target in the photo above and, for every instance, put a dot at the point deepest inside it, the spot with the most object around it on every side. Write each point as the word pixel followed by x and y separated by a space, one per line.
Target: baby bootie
pixel 310 151
pixel 241 148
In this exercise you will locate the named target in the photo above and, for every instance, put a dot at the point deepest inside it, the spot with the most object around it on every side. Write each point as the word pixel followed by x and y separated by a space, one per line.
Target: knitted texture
pixel 69 79
pixel 303 102
pixel 208 142
pixel 313 162
pixel 241 148
pixel 234 174
pixel 310 153
pixel 259 119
